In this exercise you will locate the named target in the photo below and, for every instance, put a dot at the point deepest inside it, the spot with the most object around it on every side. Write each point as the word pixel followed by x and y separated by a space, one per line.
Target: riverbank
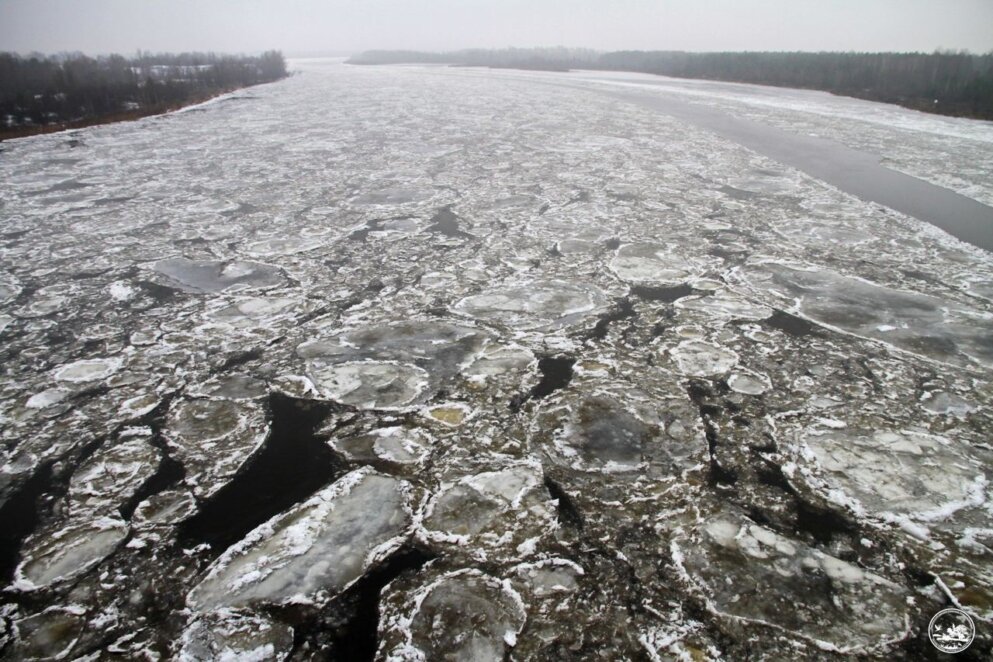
pixel 46 94
pixel 112 118
pixel 951 84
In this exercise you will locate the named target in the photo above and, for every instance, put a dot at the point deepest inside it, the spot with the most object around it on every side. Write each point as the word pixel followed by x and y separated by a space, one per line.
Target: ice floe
pixel 313 550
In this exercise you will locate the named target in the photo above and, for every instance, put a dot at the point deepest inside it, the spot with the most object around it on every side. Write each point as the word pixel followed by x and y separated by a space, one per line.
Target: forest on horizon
pixel 41 93
pixel 948 83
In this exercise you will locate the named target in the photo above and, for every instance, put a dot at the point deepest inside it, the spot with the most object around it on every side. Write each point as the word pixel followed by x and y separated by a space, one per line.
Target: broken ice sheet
pixel 701 358
pixel 750 574
pixel 216 276
pixel 49 635
pixel 213 439
pixel 226 636
pixel 394 444
pixel 502 514
pixel 619 429
pixel 113 475
pixel 69 552
pixel 650 264
pixel 537 305
pixel 390 365
pixel 463 615
pixel 94 527
pixel 369 384
pixel 313 550
pixel 9 287
pixel 884 474
pixel 87 370
pixel 913 322
pixel 725 305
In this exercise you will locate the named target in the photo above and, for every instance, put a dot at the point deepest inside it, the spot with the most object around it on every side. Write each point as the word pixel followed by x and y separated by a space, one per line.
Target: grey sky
pixel 102 26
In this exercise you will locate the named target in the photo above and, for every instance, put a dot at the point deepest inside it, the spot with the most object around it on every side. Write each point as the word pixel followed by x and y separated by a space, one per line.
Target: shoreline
pixel 918 104
pixel 113 118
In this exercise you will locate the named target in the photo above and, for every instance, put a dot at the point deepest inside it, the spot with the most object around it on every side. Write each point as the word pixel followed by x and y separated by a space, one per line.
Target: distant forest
pixel 45 93
pixel 942 82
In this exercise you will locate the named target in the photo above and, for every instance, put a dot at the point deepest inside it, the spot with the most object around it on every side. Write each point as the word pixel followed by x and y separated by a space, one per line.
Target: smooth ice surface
pixel 315 549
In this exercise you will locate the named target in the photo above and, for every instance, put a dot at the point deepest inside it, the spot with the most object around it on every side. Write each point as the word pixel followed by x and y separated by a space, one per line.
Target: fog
pixel 307 26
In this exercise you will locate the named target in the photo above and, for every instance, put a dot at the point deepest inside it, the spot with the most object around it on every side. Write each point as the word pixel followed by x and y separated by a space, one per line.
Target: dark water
pixel 854 172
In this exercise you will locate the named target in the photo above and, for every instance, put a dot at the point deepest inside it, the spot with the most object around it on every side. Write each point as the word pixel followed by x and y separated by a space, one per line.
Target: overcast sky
pixel 103 26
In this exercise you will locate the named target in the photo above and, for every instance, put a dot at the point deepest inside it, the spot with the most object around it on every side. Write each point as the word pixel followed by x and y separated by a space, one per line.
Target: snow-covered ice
pixel 424 361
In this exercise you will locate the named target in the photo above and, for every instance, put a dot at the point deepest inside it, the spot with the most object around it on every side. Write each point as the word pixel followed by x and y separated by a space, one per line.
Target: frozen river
pixel 416 361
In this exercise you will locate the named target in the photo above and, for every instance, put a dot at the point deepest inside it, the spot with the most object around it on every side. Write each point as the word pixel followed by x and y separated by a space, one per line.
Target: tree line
pixel 943 82
pixel 38 93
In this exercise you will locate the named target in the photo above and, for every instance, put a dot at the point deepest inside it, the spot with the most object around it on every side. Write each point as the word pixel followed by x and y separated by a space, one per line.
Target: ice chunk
pixel 649 263
pixel 164 508
pixel 314 550
pixel 370 384
pixel 401 446
pixel 747 572
pixel 550 576
pixel 45 301
pixel 914 322
pixel 465 615
pixel 213 439
pixel 620 430
pixel 47 398
pixel 87 370
pixel 726 305
pixel 699 358
pixel 505 511
pixel 281 246
pixel 217 276
pixel 71 551
pixel 765 182
pixel 748 383
pixel 604 434
pixel 253 310
pixel 902 472
pixel 395 195
pixel 943 402
pixel 498 360
pixel 49 635
pixel 227 636
pixel 231 386
pixel 543 304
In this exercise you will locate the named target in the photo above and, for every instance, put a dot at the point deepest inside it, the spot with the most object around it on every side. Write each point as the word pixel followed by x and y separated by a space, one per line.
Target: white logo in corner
pixel 951 630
